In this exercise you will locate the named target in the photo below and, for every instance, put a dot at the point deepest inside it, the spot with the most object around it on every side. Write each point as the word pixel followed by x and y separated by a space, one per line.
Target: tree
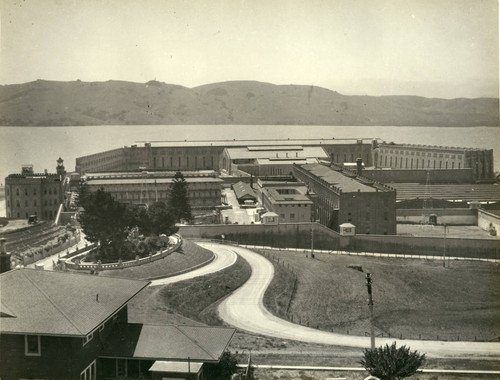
pixel 178 202
pixel 162 219
pixel 222 370
pixel 389 362
pixel 103 221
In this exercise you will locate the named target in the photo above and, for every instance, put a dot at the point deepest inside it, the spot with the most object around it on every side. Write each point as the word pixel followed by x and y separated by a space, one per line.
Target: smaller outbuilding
pixel 270 218
pixel 244 192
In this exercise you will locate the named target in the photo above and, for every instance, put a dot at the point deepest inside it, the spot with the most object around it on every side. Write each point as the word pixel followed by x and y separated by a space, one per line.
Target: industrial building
pixel 340 197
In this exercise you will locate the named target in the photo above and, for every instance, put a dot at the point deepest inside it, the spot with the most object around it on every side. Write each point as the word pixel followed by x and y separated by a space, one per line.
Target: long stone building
pixel 208 155
pixel 345 198
pixel 141 188
pixel 259 156
pixel 408 156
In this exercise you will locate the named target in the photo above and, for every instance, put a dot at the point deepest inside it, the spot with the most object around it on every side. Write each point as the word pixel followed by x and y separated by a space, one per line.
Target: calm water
pixel 41 146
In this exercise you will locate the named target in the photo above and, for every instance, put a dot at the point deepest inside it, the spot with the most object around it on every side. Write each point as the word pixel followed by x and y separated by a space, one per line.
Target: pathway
pixel 245 310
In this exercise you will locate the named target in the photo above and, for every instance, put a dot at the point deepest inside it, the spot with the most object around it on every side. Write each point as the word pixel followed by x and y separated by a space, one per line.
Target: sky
pixel 444 49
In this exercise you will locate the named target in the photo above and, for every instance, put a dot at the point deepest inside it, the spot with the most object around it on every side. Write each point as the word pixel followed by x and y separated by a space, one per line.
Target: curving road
pixel 245 310
pixel 224 257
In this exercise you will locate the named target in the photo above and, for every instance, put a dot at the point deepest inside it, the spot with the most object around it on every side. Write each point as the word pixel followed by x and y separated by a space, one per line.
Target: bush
pixel 389 362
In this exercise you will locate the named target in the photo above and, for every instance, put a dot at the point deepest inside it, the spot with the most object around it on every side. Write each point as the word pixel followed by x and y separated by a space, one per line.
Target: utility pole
pixel 444 246
pixel 370 305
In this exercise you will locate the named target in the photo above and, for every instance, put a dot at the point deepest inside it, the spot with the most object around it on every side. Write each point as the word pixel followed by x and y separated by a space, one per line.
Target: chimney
pixel 359 166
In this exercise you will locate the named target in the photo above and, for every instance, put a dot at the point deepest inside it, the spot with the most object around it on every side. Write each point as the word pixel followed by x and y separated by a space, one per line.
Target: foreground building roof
pixel 60 303
pixel 168 342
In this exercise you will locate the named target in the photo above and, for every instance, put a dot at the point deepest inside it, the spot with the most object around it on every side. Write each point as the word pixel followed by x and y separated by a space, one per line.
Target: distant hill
pixel 240 102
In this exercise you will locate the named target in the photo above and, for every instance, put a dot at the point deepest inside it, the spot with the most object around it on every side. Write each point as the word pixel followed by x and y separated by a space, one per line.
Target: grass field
pixel 194 302
pixel 413 298
pixel 186 257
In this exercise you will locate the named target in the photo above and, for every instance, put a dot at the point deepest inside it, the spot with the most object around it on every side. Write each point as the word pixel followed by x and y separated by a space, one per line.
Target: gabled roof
pixel 243 190
pixel 60 303
pixel 167 342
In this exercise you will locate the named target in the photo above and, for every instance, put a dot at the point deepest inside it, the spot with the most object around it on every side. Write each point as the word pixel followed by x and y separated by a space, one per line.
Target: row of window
pixel 423 154
pixel 202 163
pixel 47 202
pixel 49 190
pixel 417 163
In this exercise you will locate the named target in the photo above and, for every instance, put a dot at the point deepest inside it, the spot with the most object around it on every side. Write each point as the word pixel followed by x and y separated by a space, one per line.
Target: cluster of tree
pixel 109 222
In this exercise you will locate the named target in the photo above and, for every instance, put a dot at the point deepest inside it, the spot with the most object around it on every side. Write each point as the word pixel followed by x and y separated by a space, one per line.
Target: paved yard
pixel 466 232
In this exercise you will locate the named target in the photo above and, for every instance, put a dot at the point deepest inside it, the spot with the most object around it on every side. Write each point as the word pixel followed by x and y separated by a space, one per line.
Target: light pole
pixel 370 306
pixel 444 246
pixel 312 237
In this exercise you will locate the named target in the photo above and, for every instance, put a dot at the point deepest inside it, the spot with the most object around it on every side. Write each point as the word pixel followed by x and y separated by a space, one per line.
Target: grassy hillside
pixel 412 298
pixel 239 102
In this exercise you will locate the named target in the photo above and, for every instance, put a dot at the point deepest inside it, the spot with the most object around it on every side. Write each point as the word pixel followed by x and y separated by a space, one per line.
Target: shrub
pixel 389 362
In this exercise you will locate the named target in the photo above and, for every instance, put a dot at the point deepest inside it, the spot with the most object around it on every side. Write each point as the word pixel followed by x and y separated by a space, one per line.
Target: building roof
pixel 286 161
pixel 286 194
pixel 176 367
pixel 61 303
pixel 286 152
pixel 243 190
pixel 337 179
pixel 429 147
pixel 167 342
pixel 452 192
pixel 257 142
pixel 270 214
pixel 148 181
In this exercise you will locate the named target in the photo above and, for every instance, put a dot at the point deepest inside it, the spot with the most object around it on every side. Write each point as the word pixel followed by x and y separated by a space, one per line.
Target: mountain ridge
pixel 115 102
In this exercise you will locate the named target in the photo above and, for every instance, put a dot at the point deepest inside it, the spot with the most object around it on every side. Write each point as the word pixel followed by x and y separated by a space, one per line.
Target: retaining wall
pixel 299 235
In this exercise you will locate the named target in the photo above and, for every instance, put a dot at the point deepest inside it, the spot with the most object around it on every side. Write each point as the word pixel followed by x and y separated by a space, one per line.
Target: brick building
pixel 29 193
pixel 340 197
pixel 61 325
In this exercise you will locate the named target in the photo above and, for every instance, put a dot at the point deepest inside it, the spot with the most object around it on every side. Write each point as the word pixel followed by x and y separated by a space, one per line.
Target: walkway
pixel 48 261
pixel 245 310
pixel 224 257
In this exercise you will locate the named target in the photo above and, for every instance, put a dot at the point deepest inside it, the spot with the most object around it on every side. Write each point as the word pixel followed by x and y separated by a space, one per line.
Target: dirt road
pixel 245 310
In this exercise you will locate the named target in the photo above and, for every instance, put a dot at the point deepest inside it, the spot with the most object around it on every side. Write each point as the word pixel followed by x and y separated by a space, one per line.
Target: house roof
pixel 167 342
pixel 60 303
pixel 244 191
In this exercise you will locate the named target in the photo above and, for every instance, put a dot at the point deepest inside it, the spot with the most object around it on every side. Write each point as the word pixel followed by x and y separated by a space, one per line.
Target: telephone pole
pixel 370 305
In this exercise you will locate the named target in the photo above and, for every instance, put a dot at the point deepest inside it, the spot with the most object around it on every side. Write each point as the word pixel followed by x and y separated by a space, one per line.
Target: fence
pixel 288 314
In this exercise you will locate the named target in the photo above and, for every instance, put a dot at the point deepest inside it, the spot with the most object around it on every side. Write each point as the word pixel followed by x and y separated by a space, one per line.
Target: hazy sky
pixel 434 48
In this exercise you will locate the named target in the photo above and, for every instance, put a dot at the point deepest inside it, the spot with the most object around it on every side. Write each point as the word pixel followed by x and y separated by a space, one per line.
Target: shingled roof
pixel 60 303
pixel 167 342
